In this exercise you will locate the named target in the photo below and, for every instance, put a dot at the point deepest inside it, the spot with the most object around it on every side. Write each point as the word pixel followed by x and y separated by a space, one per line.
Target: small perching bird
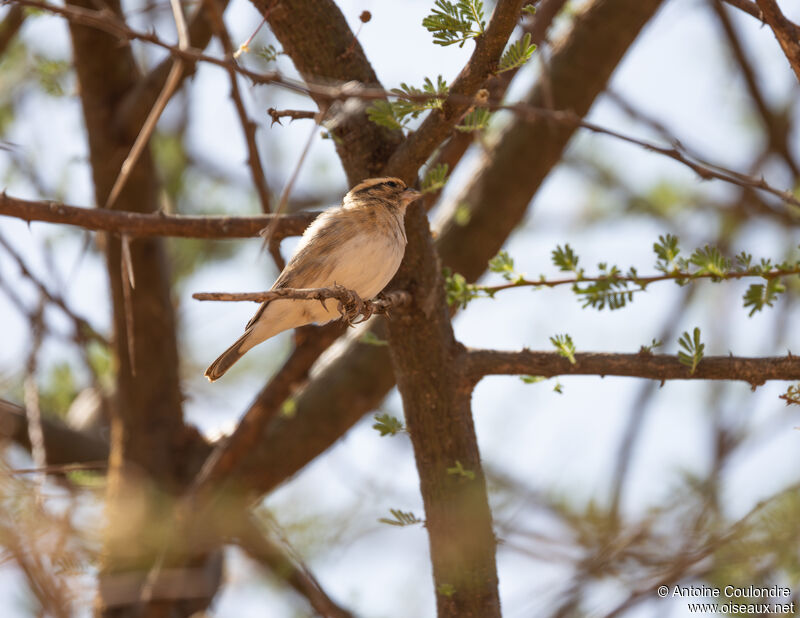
pixel 358 246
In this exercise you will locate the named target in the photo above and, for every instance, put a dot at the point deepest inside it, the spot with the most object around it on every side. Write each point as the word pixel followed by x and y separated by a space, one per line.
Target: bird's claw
pixel 353 307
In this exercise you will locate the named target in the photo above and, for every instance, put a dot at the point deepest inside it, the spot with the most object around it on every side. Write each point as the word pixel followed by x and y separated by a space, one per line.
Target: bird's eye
pixel 392 184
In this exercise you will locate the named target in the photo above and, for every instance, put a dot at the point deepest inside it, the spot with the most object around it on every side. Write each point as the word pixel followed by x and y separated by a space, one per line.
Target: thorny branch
pixel 294 114
pixel 642 282
pixel 156 224
pixel 785 31
pixel 754 371
pixel 703 169
pixel 83 331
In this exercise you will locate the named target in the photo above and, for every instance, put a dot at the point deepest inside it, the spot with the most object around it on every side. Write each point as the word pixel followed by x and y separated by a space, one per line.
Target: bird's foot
pixel 352 307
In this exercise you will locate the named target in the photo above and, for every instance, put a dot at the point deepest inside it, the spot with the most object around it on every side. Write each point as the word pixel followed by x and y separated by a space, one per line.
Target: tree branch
pixel 10 26
pixel 338 58
pixel 391 300
pixel 252 540
pixel 754 371
pixel 132 110
pixel 63 444
pixel 154 224
pixel 784 30
pixel 360 376
pixel 419 145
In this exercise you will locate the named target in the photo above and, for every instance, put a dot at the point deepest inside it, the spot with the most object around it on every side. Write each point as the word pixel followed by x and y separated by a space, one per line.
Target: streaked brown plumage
pixel 359 245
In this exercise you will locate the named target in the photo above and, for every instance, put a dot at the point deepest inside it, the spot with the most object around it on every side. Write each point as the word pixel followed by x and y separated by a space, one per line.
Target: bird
pixel 358 245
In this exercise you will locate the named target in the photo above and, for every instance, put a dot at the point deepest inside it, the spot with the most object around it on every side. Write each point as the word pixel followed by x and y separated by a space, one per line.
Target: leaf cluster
pixel 387 425
pixel 564 346
pixel 435 178
pixel 401 518
pixel 410 103
pixel 455 22
pixel 517 54
pixel 692 349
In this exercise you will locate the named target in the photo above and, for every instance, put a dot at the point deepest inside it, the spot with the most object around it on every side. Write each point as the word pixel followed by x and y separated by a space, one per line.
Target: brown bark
pixel 784 30
pixel 136 224
pixel 10 26
pixel 754 371
pixel 63 444
pixel 152 451
pixel 436 403
pixel 316 37
pixel 133 108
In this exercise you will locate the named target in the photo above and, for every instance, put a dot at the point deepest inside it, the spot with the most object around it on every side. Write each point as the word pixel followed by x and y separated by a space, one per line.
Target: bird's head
pixel 390 191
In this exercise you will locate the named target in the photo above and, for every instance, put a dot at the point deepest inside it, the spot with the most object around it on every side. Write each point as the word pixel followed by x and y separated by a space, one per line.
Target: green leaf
pixel 387 425
pixel 446 590
pixel 558 388
pixel 401 518
pixel 504 264
pixel 667 251
pixel 608 291
pixel 517 54
pixel 529 9
pixel 459 292
pixel 565 259
pixel 409 104
pixel 759 295
pixel 692 349
pixel 382 113
pixel 564 346
pixel 435 178
pixel 647 350
pixel 51 74
pixel 370 338
pixel 710 261
pixel 269 53
pixel 532 379
pixel 476 120
pixel 456 22
pixel 289 408
pixel 459 470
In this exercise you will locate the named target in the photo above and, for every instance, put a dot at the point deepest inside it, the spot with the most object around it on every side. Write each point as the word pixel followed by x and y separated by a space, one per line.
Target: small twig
pixel 269 231
pixel 643 282
pixel 248 126
pixel 347 298
pixel 126 279
pixel 173 80
pixel 294 114
pixel 83 331
pixel 62 468
pixel 32 410
pixel 286 564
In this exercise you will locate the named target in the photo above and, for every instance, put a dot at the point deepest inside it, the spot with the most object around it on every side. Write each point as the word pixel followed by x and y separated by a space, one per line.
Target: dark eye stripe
pixel 387 183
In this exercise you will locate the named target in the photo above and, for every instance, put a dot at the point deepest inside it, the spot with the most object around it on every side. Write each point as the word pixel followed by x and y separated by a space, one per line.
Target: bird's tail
pixel 226 360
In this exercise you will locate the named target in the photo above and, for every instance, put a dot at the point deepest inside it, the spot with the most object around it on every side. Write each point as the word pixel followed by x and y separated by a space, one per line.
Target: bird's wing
pixel 311 264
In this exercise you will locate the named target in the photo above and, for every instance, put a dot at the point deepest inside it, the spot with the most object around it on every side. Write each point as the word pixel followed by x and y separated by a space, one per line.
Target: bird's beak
pixel 408 196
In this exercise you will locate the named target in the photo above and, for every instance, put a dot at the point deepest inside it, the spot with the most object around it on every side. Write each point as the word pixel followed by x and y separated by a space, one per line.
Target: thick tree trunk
pixel 152 452
pixel 428 364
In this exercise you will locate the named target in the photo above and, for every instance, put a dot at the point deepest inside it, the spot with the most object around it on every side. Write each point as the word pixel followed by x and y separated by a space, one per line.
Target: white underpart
pixel 364 263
